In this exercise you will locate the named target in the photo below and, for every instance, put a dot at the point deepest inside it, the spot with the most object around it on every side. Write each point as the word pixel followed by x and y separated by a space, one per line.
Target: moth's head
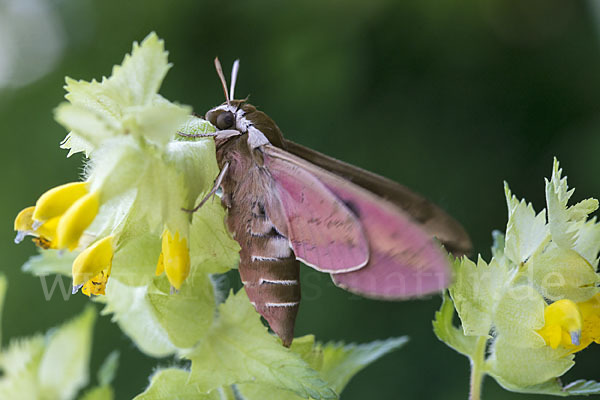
pixel 241 116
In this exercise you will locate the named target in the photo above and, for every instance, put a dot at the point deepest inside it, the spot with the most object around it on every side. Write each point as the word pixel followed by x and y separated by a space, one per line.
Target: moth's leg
pixel 212 192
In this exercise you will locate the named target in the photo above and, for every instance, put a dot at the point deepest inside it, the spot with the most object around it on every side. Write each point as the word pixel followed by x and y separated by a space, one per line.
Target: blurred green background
pixel 450 98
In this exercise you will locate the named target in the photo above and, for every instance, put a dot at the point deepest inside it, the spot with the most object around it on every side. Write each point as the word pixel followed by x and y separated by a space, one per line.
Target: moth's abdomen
pixel 273 287
pixel 268 268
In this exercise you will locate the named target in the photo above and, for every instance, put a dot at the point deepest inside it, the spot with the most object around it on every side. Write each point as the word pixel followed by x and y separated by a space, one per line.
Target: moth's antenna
pixel 234 73
pixel 222 77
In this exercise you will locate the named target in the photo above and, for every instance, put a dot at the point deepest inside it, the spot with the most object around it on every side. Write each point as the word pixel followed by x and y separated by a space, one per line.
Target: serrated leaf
pixel 525 231
pixel 475 293
pixel 64 367
pixel 50 262
pixel 173 383
pixel 239 349
pixel 448 333
pixel 341 362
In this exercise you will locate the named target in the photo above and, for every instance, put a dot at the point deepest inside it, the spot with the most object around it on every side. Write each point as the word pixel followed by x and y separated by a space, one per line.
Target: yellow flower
pixel 563 324
pixel 75 220
pixel 44 235
pixel 58 200
pixel 174 259
pixel 92 266
pixel 60 216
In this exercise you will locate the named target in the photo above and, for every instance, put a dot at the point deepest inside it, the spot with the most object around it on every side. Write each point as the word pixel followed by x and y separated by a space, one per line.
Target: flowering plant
pixel 124 238
pixel 527 312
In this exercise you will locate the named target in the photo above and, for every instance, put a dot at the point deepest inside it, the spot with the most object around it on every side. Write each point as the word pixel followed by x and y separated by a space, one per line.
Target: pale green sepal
pixel 498 244
pixel 84 125
pixel 518 314
pixel 560 273
pixel 174 383
pixel 342 362
pixel 525 231
pixel 50 262
pixel 239 349
pixel 64 367
pixel 136 317
pixel 448 333
pixel 99 393
pixel 475 293
pixel 523 368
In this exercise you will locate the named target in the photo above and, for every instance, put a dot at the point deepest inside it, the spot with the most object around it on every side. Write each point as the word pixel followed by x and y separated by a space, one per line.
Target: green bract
pixel 143 170
pixel 507 328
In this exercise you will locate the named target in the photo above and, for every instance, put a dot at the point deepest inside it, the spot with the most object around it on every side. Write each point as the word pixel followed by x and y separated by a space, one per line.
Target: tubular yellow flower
pixel 56 201
pixel 174 259
pixel 75 220
pixel 44 236
pixel 563 324
pixel 590 312
pixel 93 265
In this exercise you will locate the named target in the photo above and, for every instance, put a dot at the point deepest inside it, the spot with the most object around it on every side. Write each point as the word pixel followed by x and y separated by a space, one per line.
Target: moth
pixel 287 203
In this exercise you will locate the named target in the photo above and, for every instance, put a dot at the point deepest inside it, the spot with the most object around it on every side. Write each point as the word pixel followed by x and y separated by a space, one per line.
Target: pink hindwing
pixel 404 260
pixel 323 232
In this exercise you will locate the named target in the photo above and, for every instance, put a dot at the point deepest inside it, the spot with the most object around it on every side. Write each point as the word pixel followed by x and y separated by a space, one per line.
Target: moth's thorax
pixel 248 120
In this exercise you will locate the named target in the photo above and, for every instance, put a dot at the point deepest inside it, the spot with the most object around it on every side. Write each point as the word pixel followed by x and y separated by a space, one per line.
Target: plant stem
pixel 477 372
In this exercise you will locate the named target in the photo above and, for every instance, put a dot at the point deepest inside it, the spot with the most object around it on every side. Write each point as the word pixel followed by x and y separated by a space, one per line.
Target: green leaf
pixel 525 231
pixel 342 362
pixel 337 364
pixel 63 369
pixel 475 293
pixel 239 349
pixel 554 387
pixel 448 333
pixel 173 383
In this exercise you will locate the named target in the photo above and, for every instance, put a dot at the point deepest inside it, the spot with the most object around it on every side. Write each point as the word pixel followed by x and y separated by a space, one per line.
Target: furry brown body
pixel 268 268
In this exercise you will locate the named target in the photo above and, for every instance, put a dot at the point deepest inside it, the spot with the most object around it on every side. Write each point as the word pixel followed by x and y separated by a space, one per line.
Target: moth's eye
pixel 225 120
